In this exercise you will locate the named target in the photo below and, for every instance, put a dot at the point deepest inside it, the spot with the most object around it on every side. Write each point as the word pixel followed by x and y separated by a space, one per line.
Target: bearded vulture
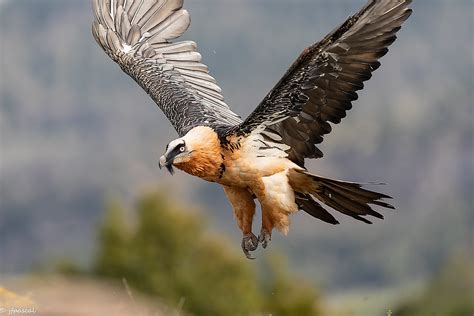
pixel 263 156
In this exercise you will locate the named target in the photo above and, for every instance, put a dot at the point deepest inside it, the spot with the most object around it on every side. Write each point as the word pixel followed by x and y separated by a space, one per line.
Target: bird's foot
pixel 249 243
pixel 264 237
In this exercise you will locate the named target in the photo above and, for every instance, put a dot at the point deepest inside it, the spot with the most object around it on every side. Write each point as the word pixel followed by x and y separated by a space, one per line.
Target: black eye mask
pixel 175 152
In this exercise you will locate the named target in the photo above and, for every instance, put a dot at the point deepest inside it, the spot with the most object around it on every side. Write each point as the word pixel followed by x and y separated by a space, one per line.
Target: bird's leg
pixel 267 219
pixel 249 240
pixel 266 230
pixel 244 211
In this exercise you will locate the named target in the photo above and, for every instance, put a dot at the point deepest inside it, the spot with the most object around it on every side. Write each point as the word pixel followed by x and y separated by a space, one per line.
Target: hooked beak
pixel 164 162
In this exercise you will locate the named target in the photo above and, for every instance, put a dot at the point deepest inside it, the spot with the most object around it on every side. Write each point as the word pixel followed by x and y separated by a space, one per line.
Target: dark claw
pixel 264 238
pixel 249 243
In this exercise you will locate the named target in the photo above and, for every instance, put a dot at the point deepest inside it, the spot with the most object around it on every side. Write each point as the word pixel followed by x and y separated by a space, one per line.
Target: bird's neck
pixel 204 164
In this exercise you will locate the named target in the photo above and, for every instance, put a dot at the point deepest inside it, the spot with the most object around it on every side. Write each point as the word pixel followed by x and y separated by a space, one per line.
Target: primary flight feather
pixel 261 157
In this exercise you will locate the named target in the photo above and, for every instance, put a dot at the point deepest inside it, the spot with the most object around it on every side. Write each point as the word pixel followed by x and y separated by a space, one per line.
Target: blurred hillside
pixel 161 260
pixel 449 293
pixel 169 254
pixel 73 296
pixel 74 129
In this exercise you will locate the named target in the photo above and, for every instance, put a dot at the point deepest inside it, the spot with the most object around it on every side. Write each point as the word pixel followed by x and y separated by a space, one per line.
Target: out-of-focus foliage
pixel 167 254
pixel 451 293
pixel 285 297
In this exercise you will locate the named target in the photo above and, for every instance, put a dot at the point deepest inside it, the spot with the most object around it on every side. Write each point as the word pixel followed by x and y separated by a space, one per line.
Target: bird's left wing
pixel 138 34
pixel 321 84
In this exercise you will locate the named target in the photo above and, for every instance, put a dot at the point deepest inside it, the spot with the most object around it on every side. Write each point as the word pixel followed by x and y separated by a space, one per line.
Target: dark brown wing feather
pixel 321 84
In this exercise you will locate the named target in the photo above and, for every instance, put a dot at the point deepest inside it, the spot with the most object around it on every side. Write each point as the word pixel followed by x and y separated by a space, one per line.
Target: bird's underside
pixel 262 157
pixel 248 172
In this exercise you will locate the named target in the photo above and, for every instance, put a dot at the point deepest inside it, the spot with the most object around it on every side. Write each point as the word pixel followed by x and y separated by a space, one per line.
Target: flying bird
pixel 262 157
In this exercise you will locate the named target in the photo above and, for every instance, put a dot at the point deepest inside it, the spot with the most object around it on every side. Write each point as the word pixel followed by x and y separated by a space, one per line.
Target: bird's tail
pixel 348 198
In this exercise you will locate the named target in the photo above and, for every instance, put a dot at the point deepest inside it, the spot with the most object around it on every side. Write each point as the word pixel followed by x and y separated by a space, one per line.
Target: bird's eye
pixel 181 149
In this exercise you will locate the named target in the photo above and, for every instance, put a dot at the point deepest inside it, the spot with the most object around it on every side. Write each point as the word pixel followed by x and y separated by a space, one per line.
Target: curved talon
pixel 249 243
pixel 264 237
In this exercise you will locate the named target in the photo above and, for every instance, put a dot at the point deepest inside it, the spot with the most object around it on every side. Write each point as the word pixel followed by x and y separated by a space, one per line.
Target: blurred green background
pixel 81 194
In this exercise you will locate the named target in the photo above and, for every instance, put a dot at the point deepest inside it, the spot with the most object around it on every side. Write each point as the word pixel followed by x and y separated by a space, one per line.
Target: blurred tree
pixel 287 296
pixel 169 255
pixel 113 240
pixel 451 293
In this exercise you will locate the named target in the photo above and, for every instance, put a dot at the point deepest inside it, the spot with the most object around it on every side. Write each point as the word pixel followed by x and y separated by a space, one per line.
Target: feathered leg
pixel 278 201
pixel 244 211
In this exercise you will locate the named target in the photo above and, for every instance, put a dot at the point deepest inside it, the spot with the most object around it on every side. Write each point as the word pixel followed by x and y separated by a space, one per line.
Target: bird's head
pixel 177 152
pixel 197 153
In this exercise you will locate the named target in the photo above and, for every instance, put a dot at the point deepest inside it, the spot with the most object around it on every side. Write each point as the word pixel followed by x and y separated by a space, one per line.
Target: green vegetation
pixel 451 293
pixel 168 255
pixel 286 297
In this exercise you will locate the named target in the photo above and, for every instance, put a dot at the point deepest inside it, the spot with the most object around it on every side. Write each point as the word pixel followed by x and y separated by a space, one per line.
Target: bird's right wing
pixel 323 82
pixel 137 35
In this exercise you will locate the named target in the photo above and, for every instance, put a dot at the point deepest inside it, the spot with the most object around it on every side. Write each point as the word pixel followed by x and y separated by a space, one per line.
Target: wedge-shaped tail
pixel 348 198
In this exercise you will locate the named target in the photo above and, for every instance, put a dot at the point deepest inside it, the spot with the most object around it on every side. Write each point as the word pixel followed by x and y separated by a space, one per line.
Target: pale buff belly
pixel 249 172
pixel 267 179
pixel 260 175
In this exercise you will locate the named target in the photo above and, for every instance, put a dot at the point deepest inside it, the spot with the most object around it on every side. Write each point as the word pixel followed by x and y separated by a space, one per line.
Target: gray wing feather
pixel 137 35
pixel 321 84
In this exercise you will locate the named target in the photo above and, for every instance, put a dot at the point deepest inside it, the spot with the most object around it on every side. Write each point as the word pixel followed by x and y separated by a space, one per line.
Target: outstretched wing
pixel 322 83
pixel 137 35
